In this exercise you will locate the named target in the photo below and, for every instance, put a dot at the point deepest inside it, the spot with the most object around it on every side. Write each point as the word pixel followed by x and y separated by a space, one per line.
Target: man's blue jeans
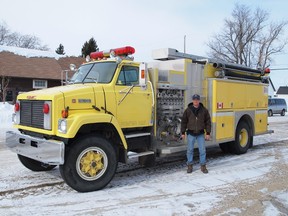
pixel 201 146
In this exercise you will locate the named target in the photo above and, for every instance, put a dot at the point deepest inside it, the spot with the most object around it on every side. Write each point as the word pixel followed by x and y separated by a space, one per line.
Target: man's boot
pixel 190 168
pixel 204 169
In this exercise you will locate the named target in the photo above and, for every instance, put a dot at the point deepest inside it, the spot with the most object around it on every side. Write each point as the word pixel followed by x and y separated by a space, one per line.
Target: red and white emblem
pixel 219 105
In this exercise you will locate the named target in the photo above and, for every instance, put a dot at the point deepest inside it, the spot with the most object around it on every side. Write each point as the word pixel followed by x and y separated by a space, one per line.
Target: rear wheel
pixel 90 164
pixel 283 112
pixel 270 113
pixel 243 138
pixel 34 165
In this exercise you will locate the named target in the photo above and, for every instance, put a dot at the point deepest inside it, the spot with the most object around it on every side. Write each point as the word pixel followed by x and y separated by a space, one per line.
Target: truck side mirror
pixel 72 67
pixel 143 75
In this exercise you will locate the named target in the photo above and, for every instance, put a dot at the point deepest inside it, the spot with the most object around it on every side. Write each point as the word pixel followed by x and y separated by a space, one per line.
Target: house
pixel 25 70
pixel 282 92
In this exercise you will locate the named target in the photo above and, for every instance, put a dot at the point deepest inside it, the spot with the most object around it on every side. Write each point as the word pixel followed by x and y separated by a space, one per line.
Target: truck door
pixel 134 103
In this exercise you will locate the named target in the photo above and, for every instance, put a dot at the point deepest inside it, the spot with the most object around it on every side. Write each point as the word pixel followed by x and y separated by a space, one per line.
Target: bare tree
pixel 16 39
pixel 3 88
pixel 26 41
pixel 248 39
pixel 4 33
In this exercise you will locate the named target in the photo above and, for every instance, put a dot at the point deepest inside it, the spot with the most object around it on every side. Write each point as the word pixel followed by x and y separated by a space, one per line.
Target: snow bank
pixel 6 111
pixel 30 53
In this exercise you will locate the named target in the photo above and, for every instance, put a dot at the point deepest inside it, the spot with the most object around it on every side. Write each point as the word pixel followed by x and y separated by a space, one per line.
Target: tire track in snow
pixel 4 193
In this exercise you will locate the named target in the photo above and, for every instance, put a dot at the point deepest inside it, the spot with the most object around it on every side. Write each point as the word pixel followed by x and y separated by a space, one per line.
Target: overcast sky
pixel 145 25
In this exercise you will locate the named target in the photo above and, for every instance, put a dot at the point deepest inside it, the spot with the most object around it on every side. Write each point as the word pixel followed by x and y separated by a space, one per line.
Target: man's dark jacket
pixel 196 120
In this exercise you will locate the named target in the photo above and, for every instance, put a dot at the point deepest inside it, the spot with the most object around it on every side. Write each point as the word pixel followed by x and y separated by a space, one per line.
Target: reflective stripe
pixel 137 135
pixel 218 114
pixel 261 111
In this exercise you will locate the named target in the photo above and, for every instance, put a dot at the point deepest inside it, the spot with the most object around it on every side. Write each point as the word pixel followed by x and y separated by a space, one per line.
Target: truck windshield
pixel 101 72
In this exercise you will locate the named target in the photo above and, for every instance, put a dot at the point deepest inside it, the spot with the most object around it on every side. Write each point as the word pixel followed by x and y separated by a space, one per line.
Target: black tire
pixel 270 113
pixel 226 147
pixel 243 138
pixel 251 142
pixel 283 112
pixel 94 151
pixel 34 165
pixel 147 160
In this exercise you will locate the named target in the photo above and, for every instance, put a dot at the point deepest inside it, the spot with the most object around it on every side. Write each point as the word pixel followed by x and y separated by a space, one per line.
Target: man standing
pixel 195 122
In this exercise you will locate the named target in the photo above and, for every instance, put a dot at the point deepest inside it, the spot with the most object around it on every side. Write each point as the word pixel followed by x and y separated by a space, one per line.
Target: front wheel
pixel 243 138
pixel 34 165
pixel 283 112
pixel 90 164
pixel 270 113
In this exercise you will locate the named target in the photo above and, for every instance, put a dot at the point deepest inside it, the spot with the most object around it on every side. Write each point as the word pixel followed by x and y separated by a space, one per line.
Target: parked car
pixel 277 106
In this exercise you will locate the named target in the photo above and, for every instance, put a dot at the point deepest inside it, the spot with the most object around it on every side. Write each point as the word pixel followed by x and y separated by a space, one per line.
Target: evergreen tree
pixel 60 50
pixel 89 46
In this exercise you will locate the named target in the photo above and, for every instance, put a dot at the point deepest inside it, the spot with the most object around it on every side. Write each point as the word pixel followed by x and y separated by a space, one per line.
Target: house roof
pixel 66 61
pixel 18 62
pixel 29 53
pixel 282 90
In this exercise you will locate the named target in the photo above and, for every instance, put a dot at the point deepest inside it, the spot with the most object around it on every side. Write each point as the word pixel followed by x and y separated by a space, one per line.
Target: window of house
pixel 129 75
pixel 9 95
pixel 39 84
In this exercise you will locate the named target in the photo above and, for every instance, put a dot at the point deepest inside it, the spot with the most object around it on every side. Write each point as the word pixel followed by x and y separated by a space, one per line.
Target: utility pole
pixel 184 43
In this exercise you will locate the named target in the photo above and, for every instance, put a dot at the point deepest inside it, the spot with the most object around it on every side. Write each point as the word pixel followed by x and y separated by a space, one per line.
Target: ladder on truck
pixel 227 70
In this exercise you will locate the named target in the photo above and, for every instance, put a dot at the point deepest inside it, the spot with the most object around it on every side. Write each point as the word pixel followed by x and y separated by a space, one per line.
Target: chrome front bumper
pixel 47 151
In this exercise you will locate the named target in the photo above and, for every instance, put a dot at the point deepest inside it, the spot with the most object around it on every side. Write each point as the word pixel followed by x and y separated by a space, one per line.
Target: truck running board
pixel 167 150
pixel 135 155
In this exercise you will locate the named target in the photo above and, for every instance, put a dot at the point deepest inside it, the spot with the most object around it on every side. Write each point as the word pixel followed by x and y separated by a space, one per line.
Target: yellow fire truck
pixel 114 109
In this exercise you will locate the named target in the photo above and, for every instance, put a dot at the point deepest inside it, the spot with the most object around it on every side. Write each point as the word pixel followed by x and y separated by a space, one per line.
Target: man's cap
pixel 196 97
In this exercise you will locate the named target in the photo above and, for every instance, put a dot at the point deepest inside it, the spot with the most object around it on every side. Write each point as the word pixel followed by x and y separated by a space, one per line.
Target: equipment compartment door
pixel 134 103
pixel 225 125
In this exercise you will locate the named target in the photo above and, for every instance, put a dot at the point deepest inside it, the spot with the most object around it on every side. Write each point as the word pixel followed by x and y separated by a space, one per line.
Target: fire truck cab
pixel 114 109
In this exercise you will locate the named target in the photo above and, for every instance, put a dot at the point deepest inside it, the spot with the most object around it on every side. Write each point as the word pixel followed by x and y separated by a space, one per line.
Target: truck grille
pixel 31 113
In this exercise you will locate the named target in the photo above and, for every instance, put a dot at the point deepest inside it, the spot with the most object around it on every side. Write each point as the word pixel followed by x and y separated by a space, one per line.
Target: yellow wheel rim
pixel 243 137
pixel 92 163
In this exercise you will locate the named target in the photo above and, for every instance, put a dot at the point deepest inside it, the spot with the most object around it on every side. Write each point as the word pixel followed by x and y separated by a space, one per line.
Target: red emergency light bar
pixel 122 51
pixel 128 50
pixel 97 55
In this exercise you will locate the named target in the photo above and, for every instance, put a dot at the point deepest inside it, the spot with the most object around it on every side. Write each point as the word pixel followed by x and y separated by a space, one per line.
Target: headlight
pixel 62 125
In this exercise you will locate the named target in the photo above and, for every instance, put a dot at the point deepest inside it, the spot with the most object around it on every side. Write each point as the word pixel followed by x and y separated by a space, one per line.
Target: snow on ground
pixel 236 184
pixel 29 53
pixel 276 123
pixel 280 199
pixel 6 111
